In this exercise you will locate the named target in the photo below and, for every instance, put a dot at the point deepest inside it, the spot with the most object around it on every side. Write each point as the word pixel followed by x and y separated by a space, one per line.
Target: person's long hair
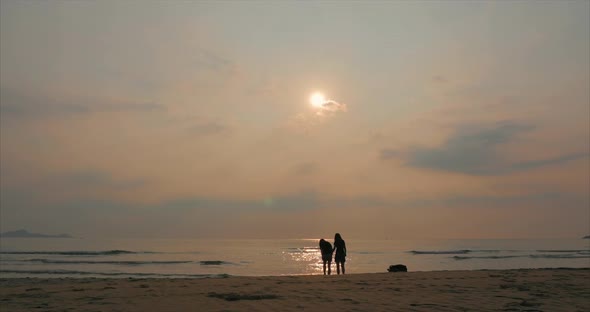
pixel 338 238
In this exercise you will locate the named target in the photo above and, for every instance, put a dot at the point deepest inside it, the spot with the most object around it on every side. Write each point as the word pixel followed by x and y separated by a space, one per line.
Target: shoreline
pixel 117 276
pixel 549 289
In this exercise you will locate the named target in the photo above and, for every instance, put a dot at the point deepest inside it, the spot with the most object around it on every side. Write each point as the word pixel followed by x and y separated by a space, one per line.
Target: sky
pixel 192 119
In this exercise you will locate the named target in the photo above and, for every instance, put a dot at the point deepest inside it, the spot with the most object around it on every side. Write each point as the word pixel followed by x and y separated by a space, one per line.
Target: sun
pixel 317 99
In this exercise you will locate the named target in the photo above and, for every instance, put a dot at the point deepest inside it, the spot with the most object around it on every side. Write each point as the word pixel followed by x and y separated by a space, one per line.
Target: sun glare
pixel 317 99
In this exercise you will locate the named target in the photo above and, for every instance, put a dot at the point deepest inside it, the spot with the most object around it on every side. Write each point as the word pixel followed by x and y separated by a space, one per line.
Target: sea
pixel 210 258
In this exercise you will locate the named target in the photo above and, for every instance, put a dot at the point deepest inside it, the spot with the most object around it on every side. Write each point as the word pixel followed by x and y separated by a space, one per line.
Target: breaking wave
pixel 215 262
pixel 77 253
pixel 52 261
pixel 569 256
pixel 582 251
pixel 111 274
pixel 534 256
pixel 441 252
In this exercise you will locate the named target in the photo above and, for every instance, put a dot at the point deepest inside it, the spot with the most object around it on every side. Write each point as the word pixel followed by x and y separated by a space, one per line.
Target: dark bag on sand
pixel 397 268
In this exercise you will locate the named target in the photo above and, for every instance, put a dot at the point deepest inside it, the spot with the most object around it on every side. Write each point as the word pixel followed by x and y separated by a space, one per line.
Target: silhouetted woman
pixel 326 249
pixel 340 248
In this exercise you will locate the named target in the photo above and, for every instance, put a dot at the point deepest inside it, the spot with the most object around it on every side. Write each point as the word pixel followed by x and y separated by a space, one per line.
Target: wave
pixel 215 262
pixel 112 274
pixel 121 262
pixel 582 251
pixel 567 256
pixel 441 252
pixel 541 256
pixel 485 257
pixel 51 261
pixel 77 253
pixel 367 252
pixel 458 252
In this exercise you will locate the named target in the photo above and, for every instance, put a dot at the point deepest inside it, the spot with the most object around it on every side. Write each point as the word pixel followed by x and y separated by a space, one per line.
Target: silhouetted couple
pixel 327 251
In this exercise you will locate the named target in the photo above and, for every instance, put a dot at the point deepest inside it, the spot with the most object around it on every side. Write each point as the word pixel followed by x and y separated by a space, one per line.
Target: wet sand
pixel 488 290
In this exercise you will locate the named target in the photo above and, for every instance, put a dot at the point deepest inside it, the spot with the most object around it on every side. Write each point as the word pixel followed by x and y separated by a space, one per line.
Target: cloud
pixel 65 185
pixel 474 150
pixel 320 114
pixel 470 150
pixel 330 107
pixel 305 168
pixel 215 61
pixel 205 128
pixel 16 202
pixel 439 79
pixel 538 198
pixel 388 153
pixel 92 179
pixel 547 162
pixel 306 200
pixel 18 104
pixel 220 217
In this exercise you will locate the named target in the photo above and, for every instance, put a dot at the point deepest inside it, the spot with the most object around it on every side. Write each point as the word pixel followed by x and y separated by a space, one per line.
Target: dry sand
pixel 494 290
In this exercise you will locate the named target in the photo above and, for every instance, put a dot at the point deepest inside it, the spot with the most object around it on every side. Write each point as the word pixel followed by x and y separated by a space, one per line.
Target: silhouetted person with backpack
pixel 340 248
pixel 326 250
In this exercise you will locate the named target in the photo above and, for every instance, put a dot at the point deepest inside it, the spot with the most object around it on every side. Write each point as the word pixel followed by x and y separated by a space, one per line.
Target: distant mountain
pixel 586 237
pixel 27 234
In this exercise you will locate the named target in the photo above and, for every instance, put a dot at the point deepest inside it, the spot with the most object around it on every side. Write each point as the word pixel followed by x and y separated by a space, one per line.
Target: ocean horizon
pixel 194 258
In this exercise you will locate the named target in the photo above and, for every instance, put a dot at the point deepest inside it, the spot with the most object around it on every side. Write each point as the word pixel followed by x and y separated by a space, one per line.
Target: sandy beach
pixel 493 290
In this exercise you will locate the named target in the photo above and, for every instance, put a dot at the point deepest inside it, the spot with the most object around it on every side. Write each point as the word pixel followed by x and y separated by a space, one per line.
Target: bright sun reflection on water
pixel 309 259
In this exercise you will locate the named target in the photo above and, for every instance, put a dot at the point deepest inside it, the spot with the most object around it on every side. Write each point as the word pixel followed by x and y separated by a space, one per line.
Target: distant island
pixel 586 237
pixel 27 234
